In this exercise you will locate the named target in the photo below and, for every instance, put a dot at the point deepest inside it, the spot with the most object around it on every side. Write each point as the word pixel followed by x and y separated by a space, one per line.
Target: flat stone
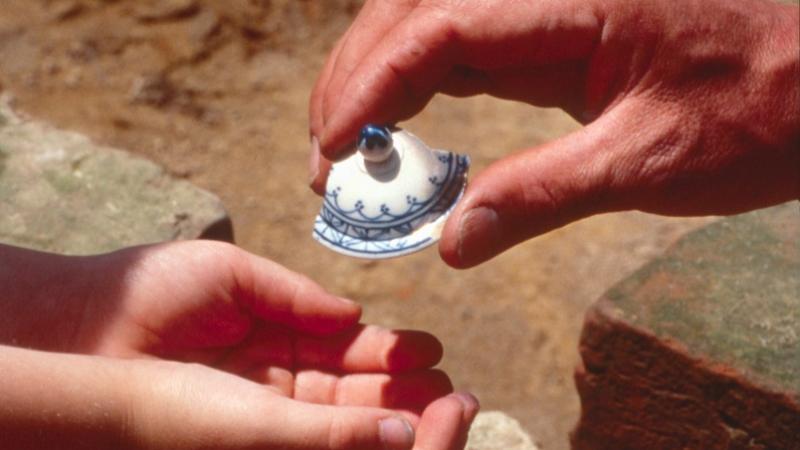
pixel 494 430
pixel 60 192
pixel 700 349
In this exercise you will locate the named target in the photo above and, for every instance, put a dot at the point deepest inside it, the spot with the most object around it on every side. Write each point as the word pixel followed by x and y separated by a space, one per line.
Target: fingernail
pixel 313 160
pixel 471 405
pixel 346 301
pixel 478 234
pixel 396 433
pixel 468 400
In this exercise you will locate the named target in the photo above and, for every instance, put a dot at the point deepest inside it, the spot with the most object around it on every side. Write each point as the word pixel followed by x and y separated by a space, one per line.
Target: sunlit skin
pixel 691 107
pixel 202 345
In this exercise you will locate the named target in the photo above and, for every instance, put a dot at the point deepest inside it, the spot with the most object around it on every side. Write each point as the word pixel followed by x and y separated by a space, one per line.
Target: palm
pixel 214 305
pixel 192 315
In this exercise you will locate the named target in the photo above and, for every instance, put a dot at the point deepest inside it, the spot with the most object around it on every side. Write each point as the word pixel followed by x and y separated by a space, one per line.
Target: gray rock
pixel 60 192
pixel 700 348
pixel 494 430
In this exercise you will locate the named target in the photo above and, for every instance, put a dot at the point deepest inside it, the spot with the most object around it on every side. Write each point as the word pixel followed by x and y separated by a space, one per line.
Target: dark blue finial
pixel 375 142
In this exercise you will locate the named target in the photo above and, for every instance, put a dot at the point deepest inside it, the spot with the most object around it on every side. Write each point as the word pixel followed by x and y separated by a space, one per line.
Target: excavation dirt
pixel 217 93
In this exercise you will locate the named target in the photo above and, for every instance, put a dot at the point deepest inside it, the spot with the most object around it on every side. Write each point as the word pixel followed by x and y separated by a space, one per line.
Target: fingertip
pixel 347 311
pixel 319 183
pixel 471 406
pixel 319 177
pixel 442 381
pixel 454 406
pixel 313 159
pixel 416 391
pixel 277 294
pixel 336 142
pixel 352 309
pixel 448 244
pixel 471 237
pixel 442 424
pixel 317 187
pixel 414 350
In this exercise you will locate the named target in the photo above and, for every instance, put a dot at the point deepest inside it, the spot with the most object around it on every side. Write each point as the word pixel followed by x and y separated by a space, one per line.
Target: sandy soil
pixel 217 92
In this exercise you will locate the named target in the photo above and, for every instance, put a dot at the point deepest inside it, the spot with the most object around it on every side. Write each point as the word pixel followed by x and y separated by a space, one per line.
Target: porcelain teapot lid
pixel 391 197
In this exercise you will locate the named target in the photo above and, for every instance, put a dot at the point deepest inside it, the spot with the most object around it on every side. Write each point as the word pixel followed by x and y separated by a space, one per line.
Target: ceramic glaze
pixel 375 143
pixel 390 198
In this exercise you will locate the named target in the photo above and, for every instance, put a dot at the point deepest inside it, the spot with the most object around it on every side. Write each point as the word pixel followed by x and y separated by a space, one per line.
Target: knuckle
pixel 531 196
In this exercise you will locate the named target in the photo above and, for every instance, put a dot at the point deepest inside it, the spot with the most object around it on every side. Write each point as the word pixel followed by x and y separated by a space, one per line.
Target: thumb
pixel 277 294
pixel 530 193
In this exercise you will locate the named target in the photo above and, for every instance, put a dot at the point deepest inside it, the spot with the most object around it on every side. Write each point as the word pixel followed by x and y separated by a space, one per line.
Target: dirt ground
pixel 217 92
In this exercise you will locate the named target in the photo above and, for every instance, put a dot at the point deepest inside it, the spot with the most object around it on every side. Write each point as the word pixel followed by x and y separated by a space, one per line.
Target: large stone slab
pixel 700 349
pixel 494 430
pixel 60 192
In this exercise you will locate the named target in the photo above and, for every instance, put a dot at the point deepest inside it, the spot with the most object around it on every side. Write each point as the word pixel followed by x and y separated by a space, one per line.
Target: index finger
pixel 394 81
pixel 464 48
pixel 374 20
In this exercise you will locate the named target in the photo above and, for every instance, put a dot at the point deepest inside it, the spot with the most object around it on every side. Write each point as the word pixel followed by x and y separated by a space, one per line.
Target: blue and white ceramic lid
pixel 390 198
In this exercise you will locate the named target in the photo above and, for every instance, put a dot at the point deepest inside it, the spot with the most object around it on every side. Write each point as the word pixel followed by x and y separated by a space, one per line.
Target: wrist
pixel 56 400
pixel 43 300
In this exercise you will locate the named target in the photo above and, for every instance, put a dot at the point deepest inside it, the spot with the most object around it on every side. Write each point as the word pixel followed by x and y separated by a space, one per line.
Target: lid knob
pixel 375 143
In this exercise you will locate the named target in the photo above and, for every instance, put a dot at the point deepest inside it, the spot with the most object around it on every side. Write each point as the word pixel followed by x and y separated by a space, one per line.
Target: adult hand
pixel 212 303
pixel 66 401
pixel 693 107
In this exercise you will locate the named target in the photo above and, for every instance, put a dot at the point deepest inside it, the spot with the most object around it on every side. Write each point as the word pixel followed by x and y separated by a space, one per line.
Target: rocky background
pixel 216 92
pixel 700 348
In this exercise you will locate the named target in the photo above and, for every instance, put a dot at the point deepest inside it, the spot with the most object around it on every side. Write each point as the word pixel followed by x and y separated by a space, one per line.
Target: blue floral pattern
pixel 390 233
